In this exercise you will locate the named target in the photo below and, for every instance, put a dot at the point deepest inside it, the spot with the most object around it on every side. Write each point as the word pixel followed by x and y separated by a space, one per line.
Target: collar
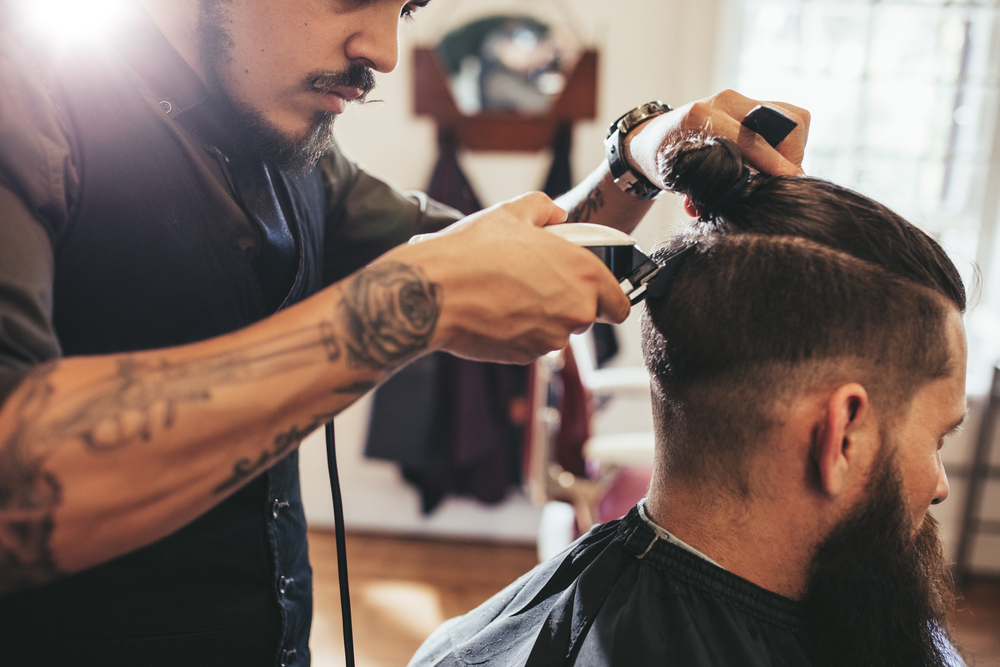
pixel 667 536
pixel 164 72
pixel 170 81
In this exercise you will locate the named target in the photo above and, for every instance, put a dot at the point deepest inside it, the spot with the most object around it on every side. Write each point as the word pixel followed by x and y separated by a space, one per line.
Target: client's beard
pixel 253 133
pixel 876 594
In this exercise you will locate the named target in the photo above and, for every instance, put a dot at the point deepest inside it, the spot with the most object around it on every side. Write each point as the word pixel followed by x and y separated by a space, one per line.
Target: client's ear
pixel 690 208
pixel 843 438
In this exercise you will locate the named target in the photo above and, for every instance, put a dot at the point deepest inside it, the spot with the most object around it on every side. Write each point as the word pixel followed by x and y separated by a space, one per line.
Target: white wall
pixel 649 49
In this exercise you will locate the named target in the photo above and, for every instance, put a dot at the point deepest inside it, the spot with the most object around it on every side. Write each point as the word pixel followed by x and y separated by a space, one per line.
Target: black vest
pixel 144 264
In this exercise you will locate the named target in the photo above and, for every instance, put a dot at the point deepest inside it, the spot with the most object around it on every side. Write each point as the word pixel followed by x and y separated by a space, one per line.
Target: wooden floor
pixel 401 590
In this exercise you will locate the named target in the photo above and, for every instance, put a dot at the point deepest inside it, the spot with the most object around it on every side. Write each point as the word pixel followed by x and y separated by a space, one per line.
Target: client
pixel 806 363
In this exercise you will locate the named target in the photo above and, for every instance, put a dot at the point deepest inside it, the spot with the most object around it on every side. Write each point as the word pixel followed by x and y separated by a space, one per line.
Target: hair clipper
pixel 638 275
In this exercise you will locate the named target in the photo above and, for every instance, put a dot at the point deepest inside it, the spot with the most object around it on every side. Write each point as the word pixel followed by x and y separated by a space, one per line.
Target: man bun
pixel 704 168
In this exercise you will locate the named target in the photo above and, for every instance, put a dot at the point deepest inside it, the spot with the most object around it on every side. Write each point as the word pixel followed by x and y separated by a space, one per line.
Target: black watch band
pixel 626 178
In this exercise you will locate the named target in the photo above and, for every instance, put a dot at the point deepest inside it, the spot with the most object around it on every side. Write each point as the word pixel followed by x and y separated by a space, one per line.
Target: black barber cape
pixel 622 596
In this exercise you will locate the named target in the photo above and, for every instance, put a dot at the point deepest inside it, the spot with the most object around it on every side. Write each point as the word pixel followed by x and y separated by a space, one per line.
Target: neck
pixel 758 539
pixel 178 21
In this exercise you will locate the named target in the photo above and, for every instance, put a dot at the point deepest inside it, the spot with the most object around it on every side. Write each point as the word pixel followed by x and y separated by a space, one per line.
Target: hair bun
pixel 701 167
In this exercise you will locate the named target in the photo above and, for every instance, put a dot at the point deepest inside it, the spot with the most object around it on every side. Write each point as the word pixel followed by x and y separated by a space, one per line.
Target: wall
pixel 649 49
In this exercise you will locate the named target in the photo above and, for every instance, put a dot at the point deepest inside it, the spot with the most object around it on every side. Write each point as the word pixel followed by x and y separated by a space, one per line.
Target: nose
pixel 941 492
pixel 376 43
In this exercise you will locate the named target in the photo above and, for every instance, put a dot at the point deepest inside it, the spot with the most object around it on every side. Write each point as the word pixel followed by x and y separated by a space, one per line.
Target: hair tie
pixel 740 183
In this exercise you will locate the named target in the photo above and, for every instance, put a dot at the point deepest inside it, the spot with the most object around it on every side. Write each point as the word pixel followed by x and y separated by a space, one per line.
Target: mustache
pixel 352 76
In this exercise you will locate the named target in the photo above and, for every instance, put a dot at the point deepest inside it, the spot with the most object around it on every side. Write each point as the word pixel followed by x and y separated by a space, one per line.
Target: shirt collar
pixel 667 536
pixel 176 87
pixel 172 83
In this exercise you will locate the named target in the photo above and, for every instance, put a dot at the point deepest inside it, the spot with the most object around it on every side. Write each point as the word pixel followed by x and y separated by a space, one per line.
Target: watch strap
pixel 626 178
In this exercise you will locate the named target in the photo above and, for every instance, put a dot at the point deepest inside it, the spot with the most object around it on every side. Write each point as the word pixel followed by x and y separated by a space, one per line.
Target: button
pixel 286 656
pixel 276 507
pixel 284 583
pixel 166 106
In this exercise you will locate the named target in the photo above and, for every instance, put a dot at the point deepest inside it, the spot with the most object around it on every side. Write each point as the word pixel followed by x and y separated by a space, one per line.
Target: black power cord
pixel 338 517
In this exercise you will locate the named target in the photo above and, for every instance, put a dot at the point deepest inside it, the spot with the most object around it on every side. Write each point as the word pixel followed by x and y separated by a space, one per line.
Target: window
pixel 905 97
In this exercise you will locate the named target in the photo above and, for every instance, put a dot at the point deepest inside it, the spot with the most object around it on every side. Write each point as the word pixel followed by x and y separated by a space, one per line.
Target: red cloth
pixel 575 412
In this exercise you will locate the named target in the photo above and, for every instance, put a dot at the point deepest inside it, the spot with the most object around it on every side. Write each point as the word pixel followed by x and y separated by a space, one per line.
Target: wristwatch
pixel 626 178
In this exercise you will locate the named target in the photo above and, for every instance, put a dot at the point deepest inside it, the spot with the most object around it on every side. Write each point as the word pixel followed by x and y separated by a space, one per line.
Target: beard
pixel 252 131
pixel 878 595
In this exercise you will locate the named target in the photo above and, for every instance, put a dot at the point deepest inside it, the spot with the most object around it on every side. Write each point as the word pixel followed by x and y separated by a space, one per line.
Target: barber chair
pixel 581 479
pixel 980 474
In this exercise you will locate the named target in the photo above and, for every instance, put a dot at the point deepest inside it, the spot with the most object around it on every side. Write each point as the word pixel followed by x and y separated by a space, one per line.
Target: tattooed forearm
pixel 142 398
pixel 28 497
pixel 390 311
pixel 245 469
pixel 356 388
pixel 131 405
pixel 385 314
pixel 586 209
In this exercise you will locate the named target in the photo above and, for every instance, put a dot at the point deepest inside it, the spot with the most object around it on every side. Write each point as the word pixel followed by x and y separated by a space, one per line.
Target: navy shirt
pixel 121 228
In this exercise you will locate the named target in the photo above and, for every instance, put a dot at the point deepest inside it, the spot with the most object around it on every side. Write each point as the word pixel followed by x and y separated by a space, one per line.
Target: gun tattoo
pixel 28 497
pixel 586 209
pixel 246 469
pixel 389 312
pixel 126 408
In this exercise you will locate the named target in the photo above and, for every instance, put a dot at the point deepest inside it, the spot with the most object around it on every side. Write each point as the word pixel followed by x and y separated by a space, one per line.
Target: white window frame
pixel 983 320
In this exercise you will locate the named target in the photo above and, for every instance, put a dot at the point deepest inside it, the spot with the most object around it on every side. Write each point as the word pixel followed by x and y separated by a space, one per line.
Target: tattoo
pixel 356 388
pixel 28 497
pixel 143 397
pixel 245 468
pixel 390 312
pixel 129 407
pixel 586 209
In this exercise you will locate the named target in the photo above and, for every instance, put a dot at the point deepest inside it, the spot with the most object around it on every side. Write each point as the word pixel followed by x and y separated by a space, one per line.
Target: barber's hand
pixel 721 115
pixel 510 291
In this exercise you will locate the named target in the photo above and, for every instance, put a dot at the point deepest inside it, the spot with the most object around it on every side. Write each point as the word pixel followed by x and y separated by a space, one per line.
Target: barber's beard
pixel 877 595
pixel 253 132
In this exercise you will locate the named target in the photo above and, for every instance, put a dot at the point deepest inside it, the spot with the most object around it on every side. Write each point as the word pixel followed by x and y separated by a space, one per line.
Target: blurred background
pixel 904 96
pixel 904 99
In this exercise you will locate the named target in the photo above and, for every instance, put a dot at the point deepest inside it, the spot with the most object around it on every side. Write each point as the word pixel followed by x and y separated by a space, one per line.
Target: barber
pixel 193 278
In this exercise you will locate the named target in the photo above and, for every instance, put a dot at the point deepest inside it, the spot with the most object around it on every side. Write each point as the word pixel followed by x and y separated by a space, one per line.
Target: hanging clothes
pixel 559 181
pixel 447 421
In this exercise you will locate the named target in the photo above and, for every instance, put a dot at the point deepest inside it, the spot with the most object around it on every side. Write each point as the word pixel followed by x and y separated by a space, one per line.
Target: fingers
pixel 613 305
pixel 721 115
pixel 510 288
pixel 536 208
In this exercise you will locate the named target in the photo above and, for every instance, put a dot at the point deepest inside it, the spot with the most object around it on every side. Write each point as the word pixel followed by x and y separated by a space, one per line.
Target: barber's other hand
pixel 721 115
pixel 510 291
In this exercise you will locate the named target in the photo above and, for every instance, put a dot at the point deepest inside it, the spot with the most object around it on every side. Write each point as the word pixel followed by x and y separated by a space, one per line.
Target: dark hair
pixel 795 282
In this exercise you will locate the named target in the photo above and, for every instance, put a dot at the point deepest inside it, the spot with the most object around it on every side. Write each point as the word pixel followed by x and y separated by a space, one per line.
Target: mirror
pixel 507 64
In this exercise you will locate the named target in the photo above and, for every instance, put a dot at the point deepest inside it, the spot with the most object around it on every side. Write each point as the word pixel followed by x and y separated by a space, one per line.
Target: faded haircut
pixel 794 284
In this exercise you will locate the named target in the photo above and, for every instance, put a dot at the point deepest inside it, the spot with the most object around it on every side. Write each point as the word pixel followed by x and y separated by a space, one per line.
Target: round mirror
pixel 507 64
